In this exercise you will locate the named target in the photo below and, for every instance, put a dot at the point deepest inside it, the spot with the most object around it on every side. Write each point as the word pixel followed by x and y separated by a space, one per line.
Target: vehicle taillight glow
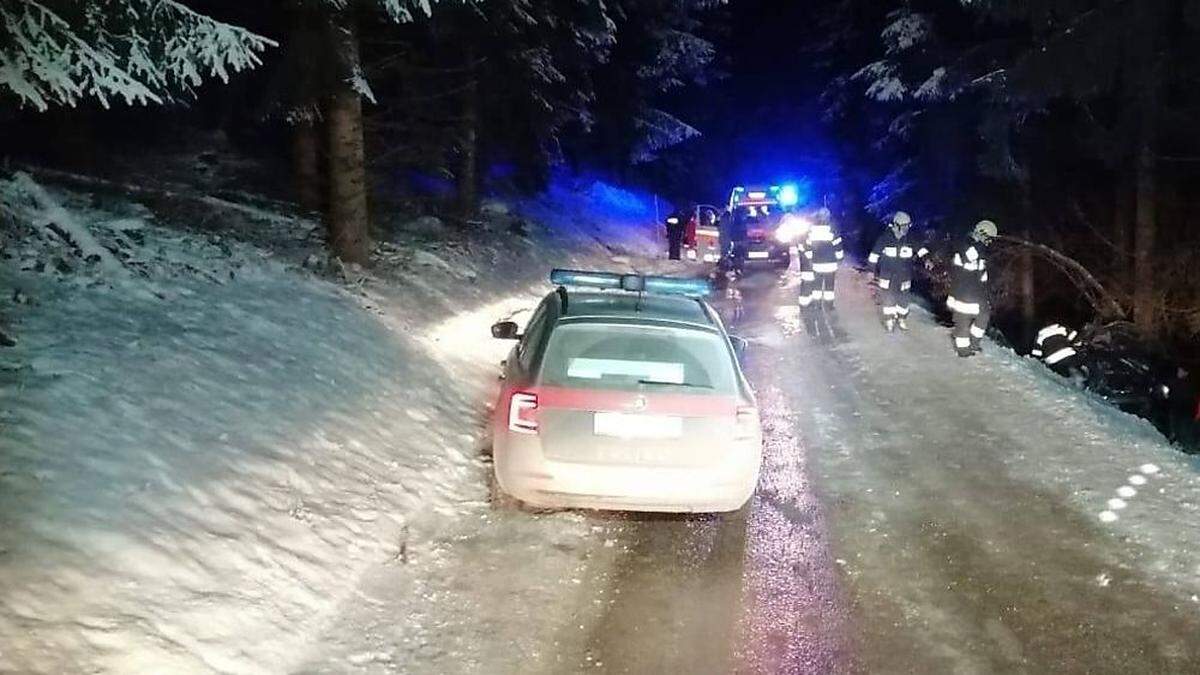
pixel 522 410
pixel 745 426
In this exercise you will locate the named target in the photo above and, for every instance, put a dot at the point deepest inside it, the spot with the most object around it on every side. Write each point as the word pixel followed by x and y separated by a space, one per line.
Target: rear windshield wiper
pixel 675 384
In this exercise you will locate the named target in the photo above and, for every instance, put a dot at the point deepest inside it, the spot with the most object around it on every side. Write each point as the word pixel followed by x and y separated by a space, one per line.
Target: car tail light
pixel 745 426
pixel 522 409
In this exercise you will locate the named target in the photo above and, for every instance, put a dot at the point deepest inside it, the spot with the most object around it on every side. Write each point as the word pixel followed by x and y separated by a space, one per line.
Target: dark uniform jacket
pixel 968 278
pixel 895 255
pixel 732 227
pixel 824 249
pixel 1055 343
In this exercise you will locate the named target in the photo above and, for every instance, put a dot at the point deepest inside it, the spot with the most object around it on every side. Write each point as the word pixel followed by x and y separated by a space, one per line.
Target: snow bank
pixel 1112 470
pixel 1113 466
pixel 204 448
pixel 590 210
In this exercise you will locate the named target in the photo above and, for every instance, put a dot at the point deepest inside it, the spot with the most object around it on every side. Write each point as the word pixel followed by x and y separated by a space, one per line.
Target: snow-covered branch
pixel 138 51
pixel 660 130
pixel 884 81
pixel 47 213
pixel 907 29
pixel 682 58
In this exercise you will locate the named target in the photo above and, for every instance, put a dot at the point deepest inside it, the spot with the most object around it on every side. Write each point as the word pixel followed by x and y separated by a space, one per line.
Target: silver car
pixel 625 392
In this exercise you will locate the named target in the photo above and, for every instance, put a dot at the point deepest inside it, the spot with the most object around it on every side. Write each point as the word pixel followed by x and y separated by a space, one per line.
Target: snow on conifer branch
pixel 906 30
pixel 659 130
pixel 57 53
pixel 682 58
pixel 884 81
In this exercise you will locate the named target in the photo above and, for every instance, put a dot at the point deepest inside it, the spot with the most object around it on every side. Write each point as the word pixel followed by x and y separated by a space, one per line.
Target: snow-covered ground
pixel 221 456
pixel 204 447
pixel 986 515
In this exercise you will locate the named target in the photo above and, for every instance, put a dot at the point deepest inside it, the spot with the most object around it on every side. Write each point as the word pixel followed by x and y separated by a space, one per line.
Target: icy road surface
pixel 984 517
pixel 917 514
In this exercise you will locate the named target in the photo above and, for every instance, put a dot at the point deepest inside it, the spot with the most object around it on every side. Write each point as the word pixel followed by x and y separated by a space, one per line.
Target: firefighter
pixel 676 222
pixel 823 250
pixel 893 253
pixel 808 277
pixel 969 290
pixel 1055 346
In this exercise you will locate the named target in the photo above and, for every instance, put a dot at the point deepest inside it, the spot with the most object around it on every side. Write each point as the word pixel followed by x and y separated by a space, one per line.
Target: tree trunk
pixel 1146 99
pixel 347 215
pixel 1145 291
pixel 306 167
pixel 1028 291
pixel 468 150
pixel 1123 213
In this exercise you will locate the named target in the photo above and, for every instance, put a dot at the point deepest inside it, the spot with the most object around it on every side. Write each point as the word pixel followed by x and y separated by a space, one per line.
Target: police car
pixel 624 392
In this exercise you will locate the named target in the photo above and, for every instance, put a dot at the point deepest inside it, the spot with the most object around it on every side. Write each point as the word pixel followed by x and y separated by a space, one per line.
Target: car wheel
pixel 740 516
pixel 498 498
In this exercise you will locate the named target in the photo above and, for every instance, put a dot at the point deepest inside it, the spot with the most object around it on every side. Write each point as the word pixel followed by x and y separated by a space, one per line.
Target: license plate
pixel 624 425
pixel 757 255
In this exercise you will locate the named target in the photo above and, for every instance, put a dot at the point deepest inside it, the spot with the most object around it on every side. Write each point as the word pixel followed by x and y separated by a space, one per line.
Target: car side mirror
pixel 505 330
pixel 739 345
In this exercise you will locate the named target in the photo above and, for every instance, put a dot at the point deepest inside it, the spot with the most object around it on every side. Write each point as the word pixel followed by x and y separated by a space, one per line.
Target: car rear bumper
pixel 524 473
pixel 764 253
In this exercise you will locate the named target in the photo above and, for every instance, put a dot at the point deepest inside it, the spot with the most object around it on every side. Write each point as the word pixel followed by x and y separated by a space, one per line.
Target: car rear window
pixel 612 356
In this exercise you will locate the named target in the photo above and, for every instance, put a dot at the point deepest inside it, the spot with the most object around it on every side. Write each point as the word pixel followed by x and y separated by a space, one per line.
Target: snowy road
pixel 917 514
pixel 963 543
pixel 267 490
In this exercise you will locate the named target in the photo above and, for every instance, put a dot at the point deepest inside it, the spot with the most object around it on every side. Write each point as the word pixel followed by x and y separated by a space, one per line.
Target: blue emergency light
pixel 631 282
pixel 789 195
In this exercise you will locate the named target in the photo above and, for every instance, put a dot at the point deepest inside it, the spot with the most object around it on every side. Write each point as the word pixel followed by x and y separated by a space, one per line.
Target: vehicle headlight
pixel 791 228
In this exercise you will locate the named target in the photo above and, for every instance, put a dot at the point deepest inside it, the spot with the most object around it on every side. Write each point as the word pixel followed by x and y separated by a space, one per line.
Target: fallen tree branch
pixel 1097 295
pixel 170 191
pixel 56 219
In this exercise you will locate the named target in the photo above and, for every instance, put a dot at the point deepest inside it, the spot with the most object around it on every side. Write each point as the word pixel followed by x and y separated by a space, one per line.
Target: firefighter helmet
pixel 901 221
pixel 823 216
pixel 984 230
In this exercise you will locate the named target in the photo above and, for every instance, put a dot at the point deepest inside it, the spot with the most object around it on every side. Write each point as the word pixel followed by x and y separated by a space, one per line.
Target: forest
pixel 1071 123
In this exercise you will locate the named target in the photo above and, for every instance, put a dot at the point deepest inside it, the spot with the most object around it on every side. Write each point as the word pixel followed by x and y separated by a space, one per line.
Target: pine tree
pixel 984 102
pixel 658 53
pixel 1122 55
pixel 60 52
pixel 347 212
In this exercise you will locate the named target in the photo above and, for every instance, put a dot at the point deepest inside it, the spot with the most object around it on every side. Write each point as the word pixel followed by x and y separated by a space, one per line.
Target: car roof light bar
pixel 632 282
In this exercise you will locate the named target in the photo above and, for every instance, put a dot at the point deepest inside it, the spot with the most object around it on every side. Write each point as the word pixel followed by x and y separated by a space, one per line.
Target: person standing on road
pixel 676 222
pixel 824 252
pixel 893 254
pixel 969 290
pixel 808 277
